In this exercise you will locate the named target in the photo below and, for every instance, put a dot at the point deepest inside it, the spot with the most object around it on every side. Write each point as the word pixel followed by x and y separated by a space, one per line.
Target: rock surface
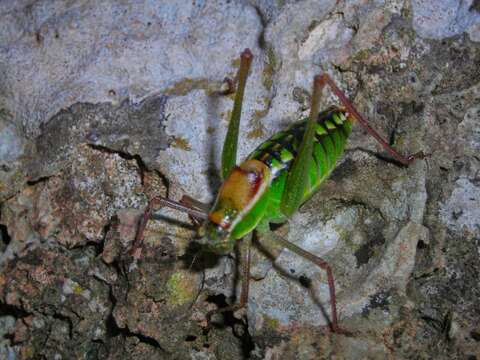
pixel 102 106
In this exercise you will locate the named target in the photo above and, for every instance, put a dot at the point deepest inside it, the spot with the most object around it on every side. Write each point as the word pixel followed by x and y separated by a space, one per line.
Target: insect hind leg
pixel 325 79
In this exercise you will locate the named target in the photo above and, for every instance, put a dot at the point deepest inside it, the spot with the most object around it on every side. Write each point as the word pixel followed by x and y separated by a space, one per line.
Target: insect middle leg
pixel 245 246
pixel 321 263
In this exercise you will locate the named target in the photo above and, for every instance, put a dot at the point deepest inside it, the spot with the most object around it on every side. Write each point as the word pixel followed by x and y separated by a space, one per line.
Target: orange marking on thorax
pixel 215 217
pixel 238 190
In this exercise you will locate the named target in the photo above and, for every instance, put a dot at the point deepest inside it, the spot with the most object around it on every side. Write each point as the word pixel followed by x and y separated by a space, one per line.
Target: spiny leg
pixel 295 189
pixel 323 265
pixel 326 79
pixel 229 155
pixel 298 175
pixel 194 203
pixel 245 273
pixel 157 201
pixel 197 205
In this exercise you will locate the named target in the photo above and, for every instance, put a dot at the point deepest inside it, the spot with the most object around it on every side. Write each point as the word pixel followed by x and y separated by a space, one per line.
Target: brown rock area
pixel 103 106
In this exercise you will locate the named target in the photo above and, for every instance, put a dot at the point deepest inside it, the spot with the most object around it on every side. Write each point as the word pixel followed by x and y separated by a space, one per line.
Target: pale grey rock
pixel 105 52
pixel 220 279
pixel 469 132
pixel 7 325
pixel 146 70
pixel 12 147
pixel 462 209
pixel 474 32
pixel 281 298
pixel 326 40
pixel 444 18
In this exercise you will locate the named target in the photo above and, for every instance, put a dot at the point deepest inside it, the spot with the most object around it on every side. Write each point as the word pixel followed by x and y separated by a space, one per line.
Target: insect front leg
pixel 186 205
pixel 196 210
pixel 195 204
pixel 229 152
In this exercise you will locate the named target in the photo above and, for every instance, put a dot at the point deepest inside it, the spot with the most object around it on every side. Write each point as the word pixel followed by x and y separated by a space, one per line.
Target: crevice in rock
pixel 426 275
pixel 97 246
pixel 114 330
pixel 185 86
pixel 475 6
pixel 142 167
pixel 374 238
pixel 343 70
pixel 100 245
pixel 143 338
pixel 381 157
pixel 393 133
pixel 367 250
pixel 5 238
pixel 15 311
pixel 38 180
pixel 164 180
pixel 67 320
pixel 475 335
pixel 353 202
pixel 239 327
pixel 304 280
pixel 378 300
pixel 270 67
pixel 9 197
pixel 349 203
pixel 190 338
pixel 263 21
pixel 442 325
pixel 407 109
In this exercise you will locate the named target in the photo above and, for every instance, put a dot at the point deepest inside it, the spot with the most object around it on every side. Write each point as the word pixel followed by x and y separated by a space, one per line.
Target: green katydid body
pixel 276 179
pixel 252 193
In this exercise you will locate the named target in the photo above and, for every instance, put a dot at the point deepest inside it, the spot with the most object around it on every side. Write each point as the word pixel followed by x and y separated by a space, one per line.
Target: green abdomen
pixel 278 153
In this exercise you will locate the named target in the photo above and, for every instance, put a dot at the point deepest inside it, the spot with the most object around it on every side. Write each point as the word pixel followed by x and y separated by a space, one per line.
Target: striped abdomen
pixel 252 192
pixel 332 130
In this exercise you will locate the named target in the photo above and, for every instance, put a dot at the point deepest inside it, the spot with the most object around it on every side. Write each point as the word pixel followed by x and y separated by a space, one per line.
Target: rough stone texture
pixel 440 19
pixel 102 106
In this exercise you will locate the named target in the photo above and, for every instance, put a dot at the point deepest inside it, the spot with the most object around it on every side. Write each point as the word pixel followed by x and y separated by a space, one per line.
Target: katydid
pixel 274 180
